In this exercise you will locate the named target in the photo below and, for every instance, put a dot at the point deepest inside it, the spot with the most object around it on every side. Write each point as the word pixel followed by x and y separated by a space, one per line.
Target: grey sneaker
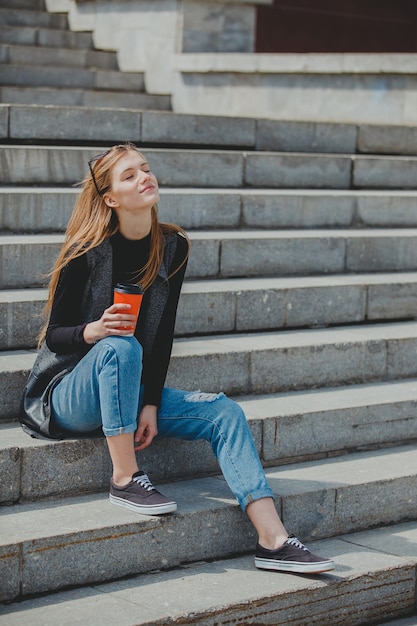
pixel 292 556
pixel 141 496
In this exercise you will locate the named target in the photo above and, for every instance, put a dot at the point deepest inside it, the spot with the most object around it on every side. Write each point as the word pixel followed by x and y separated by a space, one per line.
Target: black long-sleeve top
pixel 65 333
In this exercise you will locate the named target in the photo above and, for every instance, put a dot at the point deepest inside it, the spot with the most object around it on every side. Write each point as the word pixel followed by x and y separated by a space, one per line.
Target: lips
pixel 148 188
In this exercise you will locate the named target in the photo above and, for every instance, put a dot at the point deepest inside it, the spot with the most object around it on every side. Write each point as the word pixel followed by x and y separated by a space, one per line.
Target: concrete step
pixel 16 55
pixel 247 304
pixel 406 621
pixel 312 136
pixel 48 166
pixel 83 540
pixel 53 37
pixel 84 97
pixel 56 76
pixel 17 16
pixel 286 427
pixel 268 362
pixel 374 580
pixel 205 130
pixel 34 5
pixel 26 259
pixel 43 209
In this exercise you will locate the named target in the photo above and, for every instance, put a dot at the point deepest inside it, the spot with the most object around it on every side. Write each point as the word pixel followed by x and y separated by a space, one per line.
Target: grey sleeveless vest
pixel 49 368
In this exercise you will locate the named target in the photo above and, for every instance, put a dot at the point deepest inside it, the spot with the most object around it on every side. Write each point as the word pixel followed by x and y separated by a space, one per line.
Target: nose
pixel 145 177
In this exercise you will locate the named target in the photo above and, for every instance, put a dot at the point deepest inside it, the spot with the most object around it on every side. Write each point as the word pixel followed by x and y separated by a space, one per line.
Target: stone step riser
pixel 53 38
pixel 101 543
pixel 272 362
pixel 198 130
pixel 54 76
pixel 61 57
pixel 370 585
pixel 31 18
pixel 266 362
pixel 255 134
pixel 27 259
pixel 185 168
pixel 48 210
pixel 245 306
pixel 101 553
pixel 84 98
pixel 31 5
pixel 382 415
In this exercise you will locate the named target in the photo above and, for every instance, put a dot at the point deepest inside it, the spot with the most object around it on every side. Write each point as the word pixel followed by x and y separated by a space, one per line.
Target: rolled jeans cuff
pixel 122 430
pixel 254 496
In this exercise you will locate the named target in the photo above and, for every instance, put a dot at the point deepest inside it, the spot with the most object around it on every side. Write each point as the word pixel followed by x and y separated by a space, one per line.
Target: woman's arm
pixel 155 367
pixel 65 333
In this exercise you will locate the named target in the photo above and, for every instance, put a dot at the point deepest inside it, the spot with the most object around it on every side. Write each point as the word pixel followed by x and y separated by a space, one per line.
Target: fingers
pixel 115 318
pixel 144 441
pixel 144 436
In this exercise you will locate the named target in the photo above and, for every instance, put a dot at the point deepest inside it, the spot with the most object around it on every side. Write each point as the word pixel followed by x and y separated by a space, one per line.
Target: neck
pixel 132 228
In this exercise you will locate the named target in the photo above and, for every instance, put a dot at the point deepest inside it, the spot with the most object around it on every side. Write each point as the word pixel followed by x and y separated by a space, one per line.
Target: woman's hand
pixel 147 428
pixel 109 324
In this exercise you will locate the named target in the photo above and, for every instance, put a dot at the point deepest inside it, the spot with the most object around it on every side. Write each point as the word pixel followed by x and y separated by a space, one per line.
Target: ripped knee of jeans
pixel 200 396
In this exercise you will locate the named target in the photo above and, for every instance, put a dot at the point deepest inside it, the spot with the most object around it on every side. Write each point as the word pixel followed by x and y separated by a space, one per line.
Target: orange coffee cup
pixel 129 293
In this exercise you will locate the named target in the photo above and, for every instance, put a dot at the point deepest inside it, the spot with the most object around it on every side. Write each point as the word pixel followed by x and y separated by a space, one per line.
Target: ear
pixel 110 201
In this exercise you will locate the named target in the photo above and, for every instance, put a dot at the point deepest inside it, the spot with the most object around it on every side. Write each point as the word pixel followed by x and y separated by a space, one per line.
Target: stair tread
pixel 292 338
pixel 33 18
pixel 239 235
pixel 34 89
pixel 265 406
pixel 47 69
pixel 253 154
pixel 64 56
pixel 253 342
pixel 225 589
pixel 49 208
pixel 89 513
pixel 222 285
pixel 44 36
pixel 210 191
pixel 193 168
pixel 287 137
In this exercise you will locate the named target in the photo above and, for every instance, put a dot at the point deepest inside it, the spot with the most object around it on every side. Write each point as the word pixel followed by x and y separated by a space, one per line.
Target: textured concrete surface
pixel 25 209
pixel 369 583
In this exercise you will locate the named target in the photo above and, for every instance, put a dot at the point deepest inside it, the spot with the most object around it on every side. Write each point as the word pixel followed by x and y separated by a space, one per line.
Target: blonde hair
pixel 92 222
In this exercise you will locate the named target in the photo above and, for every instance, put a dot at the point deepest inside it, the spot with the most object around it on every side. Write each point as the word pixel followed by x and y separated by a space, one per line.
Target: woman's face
pixel 133 186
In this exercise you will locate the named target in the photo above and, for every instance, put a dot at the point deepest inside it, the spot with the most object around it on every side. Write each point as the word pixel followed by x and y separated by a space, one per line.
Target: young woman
pixel 90 375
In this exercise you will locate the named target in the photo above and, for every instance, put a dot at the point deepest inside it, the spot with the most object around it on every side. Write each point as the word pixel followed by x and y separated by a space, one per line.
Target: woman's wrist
pixel 89 336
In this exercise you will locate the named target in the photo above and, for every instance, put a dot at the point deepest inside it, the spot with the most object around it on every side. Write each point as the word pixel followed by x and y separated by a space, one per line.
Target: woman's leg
pixel 122 454
pixel 222 422
pixel 103 391
pixel 264 517
pixel 219 420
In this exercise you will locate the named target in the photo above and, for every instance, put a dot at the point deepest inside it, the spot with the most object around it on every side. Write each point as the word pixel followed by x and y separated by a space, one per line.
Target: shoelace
pixel 144 482
pixel 293 541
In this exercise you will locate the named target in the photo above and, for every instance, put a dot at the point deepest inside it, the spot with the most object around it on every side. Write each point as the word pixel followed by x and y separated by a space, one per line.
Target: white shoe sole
pixel 297 567
pixel 159 509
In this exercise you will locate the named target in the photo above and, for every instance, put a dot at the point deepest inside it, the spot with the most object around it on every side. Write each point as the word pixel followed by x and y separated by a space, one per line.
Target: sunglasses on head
pixel 96 158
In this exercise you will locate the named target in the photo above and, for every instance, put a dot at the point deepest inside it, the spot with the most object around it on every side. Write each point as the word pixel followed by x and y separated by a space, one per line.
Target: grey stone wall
pixel 218 27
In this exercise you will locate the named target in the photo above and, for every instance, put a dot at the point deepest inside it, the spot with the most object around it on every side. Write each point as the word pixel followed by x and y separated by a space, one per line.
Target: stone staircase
pixel 300 301
pixel 43 62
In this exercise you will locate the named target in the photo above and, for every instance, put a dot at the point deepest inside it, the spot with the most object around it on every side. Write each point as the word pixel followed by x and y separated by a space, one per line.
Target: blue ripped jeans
pixel 102 391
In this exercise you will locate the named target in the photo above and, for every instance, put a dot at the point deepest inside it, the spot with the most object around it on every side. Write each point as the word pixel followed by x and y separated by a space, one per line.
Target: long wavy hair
pixel 92 221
